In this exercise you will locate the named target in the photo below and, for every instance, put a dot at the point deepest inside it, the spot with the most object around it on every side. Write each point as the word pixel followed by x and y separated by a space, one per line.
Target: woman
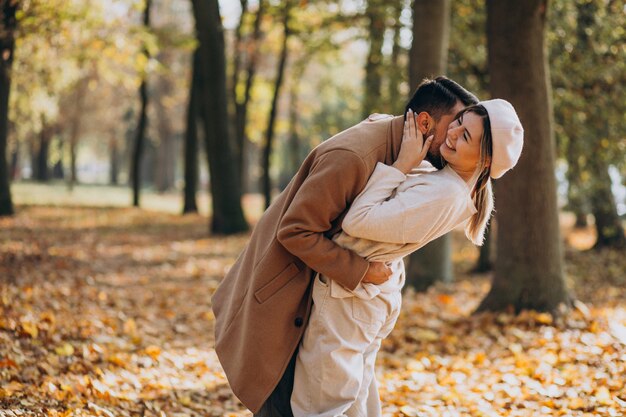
pixel 401 209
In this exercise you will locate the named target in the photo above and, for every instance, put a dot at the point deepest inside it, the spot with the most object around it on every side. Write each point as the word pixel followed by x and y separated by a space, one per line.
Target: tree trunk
pixel 269 137
pixel 431 27
pixel 165 156
pixel 294 148
pixel 58 171
pixel 191 142
pixel 431 37
pixel 485 258
pixel 114 166
pixel 528 269
pixel 607 223
pixel 143 122
pixel 395 71
pixel 375 14
pixel 576 198
pixel 227 215
pixel 42 172
pixel 7 46
pixel 79 99
pixel 241 107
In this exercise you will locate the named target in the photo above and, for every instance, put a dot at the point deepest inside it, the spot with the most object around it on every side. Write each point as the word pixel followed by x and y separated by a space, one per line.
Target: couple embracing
pixel 301 314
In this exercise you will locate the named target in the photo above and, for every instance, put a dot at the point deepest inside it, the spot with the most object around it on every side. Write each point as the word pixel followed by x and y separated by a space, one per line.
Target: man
pixel 263 304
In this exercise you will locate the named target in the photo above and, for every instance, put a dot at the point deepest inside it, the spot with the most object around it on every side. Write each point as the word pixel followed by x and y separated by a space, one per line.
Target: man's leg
pixel 279 402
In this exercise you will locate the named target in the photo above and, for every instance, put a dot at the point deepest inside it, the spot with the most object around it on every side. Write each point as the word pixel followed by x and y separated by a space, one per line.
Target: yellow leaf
pixel 153 351
pixel 65 350
pixel 408 411
pixel 544 318
pixel 576 403
pixel 425 335
pixel 603 396
pixel 30 329
pixel 130 327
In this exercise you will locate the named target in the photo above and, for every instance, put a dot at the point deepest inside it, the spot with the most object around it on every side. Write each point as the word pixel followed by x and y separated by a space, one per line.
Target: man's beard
pixel 434 156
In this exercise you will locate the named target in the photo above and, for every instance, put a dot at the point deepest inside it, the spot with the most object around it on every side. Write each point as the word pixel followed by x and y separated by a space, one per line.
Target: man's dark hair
pixel 437 97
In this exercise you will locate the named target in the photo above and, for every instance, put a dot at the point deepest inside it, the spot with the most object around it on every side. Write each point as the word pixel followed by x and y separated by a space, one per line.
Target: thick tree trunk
pixel 191 142
pixel 227 215
pixel 375 14
pixel 142 123
pixel 431 37
pixel 607 223
pixel 396 72
pixel 429 51
pixel 528 268
pixel 269 137
pixel 7 46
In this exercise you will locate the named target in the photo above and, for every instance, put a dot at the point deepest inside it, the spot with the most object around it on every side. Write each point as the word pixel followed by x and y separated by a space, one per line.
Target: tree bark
pixel 429 51
pixel 165 151
pixel 191 142
pixel 395 71
pixel 241 107
pixel 227 215
pixel 79 99
pixel 114 167
pixel 42 173
pixel 431 37
pixel 608 225
pixel 140 133
pixel 269 136
pixel 7 48
pixel 375 14
pixel 528 269
pixel 485 258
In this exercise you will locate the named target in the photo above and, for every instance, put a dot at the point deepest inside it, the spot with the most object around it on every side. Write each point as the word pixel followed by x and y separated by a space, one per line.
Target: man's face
pixel 440 130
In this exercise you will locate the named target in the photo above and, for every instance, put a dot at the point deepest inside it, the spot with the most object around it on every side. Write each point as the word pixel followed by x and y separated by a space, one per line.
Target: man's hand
pixel 377 273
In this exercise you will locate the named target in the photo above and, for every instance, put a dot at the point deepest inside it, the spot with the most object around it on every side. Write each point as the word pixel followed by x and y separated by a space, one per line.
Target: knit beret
pixel 507 135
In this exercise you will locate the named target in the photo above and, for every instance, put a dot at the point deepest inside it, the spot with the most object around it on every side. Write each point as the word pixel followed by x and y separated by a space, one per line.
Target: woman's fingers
pixel 427 143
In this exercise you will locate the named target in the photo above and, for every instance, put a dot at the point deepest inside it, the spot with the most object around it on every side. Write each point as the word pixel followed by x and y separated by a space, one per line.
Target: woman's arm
pixel 409 216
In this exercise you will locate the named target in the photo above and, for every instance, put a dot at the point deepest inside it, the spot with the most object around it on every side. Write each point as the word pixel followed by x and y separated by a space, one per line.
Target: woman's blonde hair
pixel 482 192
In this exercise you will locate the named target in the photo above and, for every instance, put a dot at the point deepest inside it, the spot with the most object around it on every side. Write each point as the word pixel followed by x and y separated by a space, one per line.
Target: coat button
pixel 298 322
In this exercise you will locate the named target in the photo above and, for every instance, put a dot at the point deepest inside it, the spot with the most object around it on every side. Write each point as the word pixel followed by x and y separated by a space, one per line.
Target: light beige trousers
pixel 335 374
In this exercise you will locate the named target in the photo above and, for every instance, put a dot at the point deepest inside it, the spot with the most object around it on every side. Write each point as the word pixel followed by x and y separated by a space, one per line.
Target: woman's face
pixel 461 148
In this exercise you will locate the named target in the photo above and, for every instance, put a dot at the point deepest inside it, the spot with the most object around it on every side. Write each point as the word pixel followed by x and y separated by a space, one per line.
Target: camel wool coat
pixel 263 303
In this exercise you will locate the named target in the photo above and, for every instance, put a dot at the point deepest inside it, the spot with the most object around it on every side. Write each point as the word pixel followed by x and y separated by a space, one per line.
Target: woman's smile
pixel 449 144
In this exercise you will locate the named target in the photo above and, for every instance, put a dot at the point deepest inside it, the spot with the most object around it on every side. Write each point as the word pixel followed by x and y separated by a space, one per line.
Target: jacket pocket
pixel 278 282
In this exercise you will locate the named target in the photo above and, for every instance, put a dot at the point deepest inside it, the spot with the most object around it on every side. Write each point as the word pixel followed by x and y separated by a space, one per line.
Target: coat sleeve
pixel 408 216
pixel 332 184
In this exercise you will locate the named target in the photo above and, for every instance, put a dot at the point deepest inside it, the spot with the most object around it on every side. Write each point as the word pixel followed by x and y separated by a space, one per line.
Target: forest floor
pixel 106 312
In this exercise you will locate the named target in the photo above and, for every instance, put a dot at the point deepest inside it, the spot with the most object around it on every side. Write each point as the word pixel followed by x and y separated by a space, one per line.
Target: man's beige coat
pixel 263 303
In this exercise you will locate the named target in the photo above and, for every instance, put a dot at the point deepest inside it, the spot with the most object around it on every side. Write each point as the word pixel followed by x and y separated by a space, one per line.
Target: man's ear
pixel 425 122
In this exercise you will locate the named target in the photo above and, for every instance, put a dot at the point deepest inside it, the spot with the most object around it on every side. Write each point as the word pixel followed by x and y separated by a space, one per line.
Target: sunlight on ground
pixel 106 312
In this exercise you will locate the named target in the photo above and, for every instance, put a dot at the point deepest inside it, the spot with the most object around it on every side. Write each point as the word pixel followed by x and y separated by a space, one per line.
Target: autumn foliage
pixel 106 312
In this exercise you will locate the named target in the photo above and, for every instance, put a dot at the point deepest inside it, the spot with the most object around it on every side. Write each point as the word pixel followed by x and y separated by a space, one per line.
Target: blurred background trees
pixel 237 119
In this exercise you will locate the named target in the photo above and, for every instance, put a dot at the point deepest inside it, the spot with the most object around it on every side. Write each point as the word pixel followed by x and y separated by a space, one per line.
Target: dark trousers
pixel 279 402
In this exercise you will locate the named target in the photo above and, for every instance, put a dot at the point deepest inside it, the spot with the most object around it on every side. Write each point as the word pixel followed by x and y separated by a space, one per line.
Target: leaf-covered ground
pixel 106 312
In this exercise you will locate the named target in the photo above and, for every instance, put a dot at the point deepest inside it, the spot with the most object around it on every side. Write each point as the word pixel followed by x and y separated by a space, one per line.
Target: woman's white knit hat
pixel 507 135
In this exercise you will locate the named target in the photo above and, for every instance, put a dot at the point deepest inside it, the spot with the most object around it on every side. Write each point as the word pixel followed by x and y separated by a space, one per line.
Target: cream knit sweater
pixel 396 214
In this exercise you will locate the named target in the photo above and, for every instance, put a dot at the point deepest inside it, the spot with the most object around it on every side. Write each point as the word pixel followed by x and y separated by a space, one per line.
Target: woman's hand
pixel 413 148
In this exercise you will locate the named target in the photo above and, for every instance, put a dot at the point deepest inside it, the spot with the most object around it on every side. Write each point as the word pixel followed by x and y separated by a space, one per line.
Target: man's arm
pixel 333 182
